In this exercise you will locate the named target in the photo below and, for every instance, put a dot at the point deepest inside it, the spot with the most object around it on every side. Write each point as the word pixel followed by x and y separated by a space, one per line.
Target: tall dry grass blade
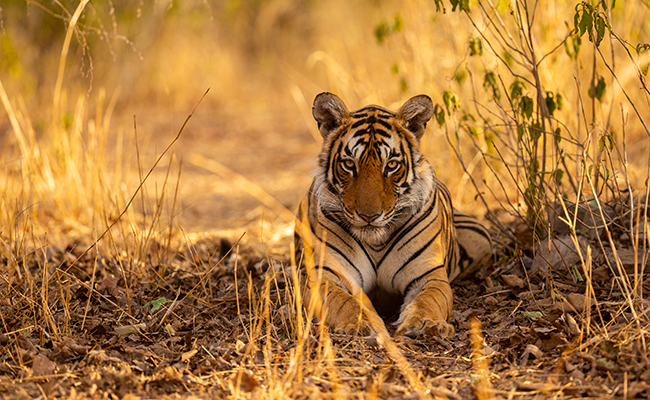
pixel 371 316
pixel 482 385
pixel 623 280
pixel 18 130
pixel 64 55
pixel 142 182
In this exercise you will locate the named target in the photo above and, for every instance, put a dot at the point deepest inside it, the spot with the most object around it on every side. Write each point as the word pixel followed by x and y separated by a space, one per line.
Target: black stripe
pixel 414 256
pixel 417 234
pixel 359 123
pixel 381 132
pixel 419 278
pixel 341 224
pixel 481 231
pixel 384 124
pixel 329 245
pixel 374 108
pixel 406 228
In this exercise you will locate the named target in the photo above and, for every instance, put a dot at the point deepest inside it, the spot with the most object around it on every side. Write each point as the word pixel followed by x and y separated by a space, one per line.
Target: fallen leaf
pixel 42 366
pixel 605 364
pixel 532 314
pixel 245 381
pixel 574 329
pixel 239 346
pixel 534 350
pixel 129 329
pixel 188 354
pixel 108 282
pixel 577 300
pixel 513 281
pixel 557 253
pixel 490 301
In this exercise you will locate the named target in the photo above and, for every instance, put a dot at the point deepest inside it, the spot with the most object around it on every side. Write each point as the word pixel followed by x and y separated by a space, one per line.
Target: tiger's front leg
pixel 342 305
pixel 427 313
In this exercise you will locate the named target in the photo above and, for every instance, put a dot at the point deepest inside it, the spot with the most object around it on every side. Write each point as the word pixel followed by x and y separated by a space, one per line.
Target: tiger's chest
pixel 416 243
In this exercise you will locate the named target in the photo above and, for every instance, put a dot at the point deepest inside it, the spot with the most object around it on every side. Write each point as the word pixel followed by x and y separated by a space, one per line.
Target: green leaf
pixel 611 347
pixel 508 58
pixel 558 174
pixel 550 103
pixel 532 314
pixel 606 363
pixel 516 89
pixel 535 131
pixel 451 100
pixel 605 4
pixel 475 47
pixel 398 23
pixel 460 75
pixel 156 304
pixel 469 122
pixel 599 90
pixel 599 24
pixel 403 85
pixel 577 276
pixel 558 136
pixel 605 140
pixel 381 31
pixel 572 46
pixel 526 106
pixel 439 114
pixel 583 21
pixel 440 6
pixel 462 5
pixel 520 132
pixel 490 84
pixel 642 48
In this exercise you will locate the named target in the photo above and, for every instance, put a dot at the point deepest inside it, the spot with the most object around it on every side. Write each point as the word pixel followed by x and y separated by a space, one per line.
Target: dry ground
pixel 202 315
pixel 207 334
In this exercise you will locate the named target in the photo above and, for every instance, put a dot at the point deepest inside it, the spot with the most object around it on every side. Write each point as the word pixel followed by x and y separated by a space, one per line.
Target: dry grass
pixel 111 286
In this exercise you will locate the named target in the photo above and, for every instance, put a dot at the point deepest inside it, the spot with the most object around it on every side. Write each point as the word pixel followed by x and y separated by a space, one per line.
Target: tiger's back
pixel 381 221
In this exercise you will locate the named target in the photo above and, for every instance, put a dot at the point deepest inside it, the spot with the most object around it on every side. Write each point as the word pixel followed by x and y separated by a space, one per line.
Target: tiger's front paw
pixel 414 327
pixel 419 318
pixel 344 315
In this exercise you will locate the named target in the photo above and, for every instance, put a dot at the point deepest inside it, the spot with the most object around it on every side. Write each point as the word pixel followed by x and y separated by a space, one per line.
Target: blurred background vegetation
pixel 72 155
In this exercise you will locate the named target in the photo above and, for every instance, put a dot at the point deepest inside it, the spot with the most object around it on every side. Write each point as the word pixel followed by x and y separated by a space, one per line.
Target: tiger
pixel 379 221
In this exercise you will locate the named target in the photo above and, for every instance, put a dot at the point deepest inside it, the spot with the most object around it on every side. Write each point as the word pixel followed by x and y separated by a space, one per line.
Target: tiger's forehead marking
pixel 370 135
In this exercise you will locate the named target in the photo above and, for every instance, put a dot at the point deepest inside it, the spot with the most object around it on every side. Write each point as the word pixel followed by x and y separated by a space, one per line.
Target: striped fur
pixel 390 227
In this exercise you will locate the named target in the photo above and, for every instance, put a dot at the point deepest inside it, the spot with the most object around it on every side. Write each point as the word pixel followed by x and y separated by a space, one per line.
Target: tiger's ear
pixel 328 111
pixel 417 111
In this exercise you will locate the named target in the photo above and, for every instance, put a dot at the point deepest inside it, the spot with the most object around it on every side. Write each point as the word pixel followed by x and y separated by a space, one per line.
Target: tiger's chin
pixel 371 234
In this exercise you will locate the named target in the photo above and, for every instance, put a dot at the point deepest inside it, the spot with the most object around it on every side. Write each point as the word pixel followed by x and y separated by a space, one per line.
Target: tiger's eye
pixel 392 165
pixel 348 164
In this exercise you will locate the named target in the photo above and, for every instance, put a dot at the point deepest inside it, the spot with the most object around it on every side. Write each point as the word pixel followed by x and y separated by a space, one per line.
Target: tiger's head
pixel 371 167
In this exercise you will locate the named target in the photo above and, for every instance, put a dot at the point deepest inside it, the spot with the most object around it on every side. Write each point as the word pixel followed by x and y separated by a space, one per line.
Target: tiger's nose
pixel 369 218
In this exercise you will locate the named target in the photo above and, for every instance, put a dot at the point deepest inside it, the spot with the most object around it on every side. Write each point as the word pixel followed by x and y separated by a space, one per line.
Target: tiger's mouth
pixel 371 229
pixel 371 233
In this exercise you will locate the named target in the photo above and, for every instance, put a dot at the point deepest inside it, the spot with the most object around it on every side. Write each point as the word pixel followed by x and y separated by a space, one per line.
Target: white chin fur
pixel 373 235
